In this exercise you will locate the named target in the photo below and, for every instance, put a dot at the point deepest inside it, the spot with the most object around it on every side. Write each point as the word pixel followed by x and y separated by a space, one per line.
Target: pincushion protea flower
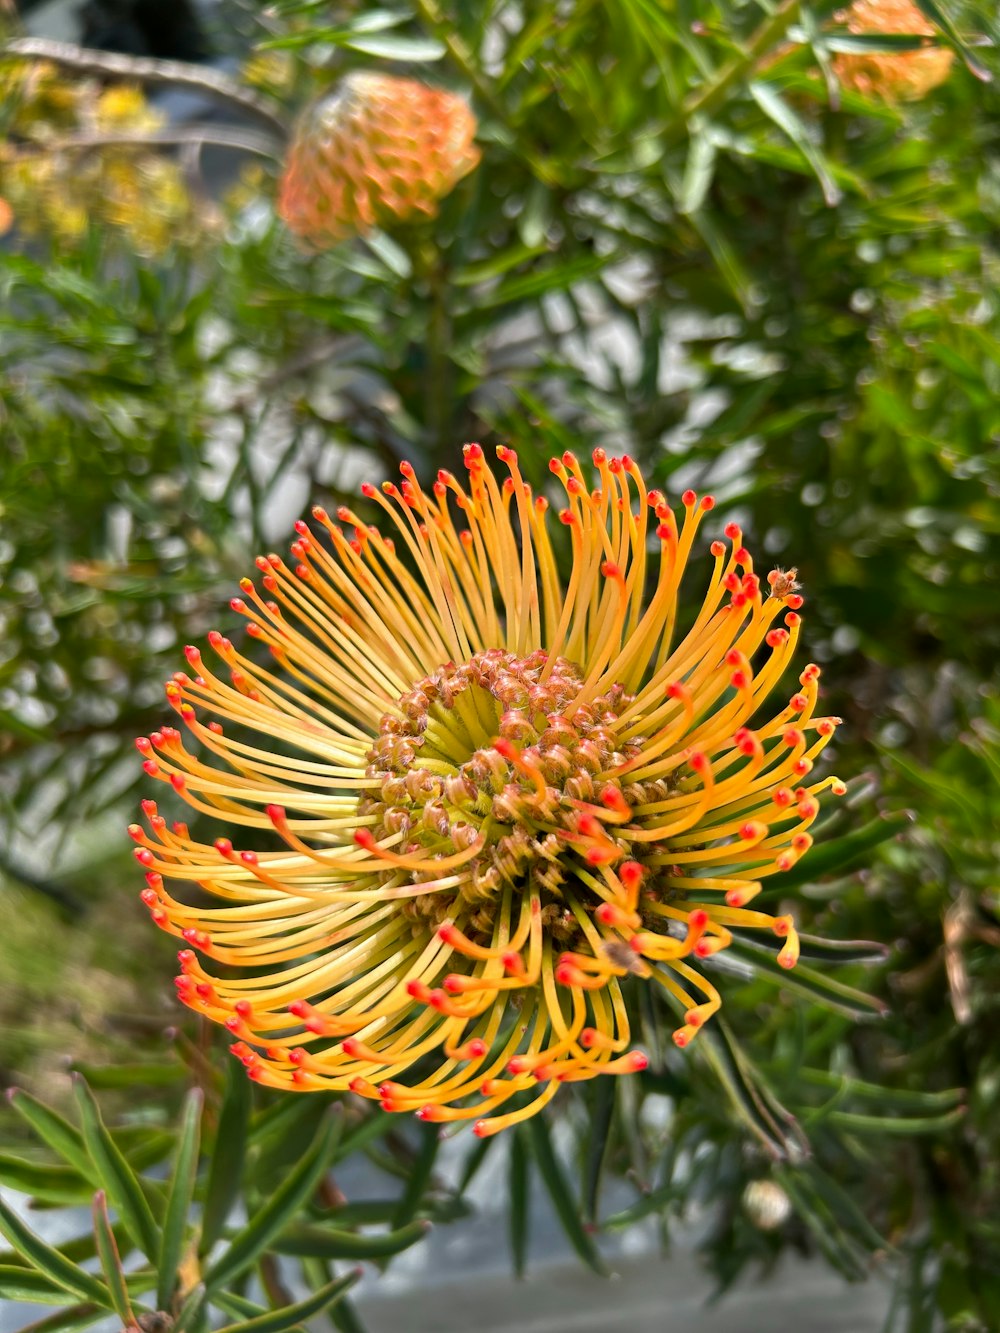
pixel 904 74
pixel 482 803
pixel 377 150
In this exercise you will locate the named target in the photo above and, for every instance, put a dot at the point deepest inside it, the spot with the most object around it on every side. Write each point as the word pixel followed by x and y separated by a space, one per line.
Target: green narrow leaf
pixel 66 1321
pixel 911 1097
pixel 563 1201
pixel 111 1263
pixel 392 46
pixel 49 1184
pixel 888 43
pixel 805 980
pixel 277 1321
pixel 752 1099
pixel 857 1122
pixel 601 1109
pixel 326 1242
pixel 778 110
pixel 842 951
pixel 653 1202
pixel 228 1152
pixel 249 1243
pixel 724 256
pixel 127 1076
pixel 20 1283
pixel 518 1187
pixel 52 1129
pixel 179 1197
pixel 50 1262
pixel 418 1176
pixel 841 854
pixel 116 1175
pixel 944 21
pixel 473 1161
pixel 698 172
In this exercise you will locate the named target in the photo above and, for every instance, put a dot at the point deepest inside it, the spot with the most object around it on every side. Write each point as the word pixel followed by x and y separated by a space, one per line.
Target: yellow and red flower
pixel 378 150
pixel 476 804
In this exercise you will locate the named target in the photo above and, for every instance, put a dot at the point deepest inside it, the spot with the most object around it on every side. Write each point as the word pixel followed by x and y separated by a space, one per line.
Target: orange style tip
pixel 639 1060
pixel 698 919
pixel 483 1129
pixel 735 898
pixel 135 832
pixel 518 1065
pixel 602 856
pixel 681 1038
pixel 786 960
pixel 838 787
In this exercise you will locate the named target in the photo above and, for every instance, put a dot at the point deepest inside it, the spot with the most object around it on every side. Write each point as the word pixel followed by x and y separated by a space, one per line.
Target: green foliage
pixel 684 242
pixel 149 1232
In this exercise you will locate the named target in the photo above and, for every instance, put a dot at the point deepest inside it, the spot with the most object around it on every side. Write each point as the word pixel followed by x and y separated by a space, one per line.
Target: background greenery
pixel 685 242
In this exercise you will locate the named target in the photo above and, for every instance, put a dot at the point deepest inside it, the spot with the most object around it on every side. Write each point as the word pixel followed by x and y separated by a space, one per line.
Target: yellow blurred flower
pixel 59 190
pixel 482 803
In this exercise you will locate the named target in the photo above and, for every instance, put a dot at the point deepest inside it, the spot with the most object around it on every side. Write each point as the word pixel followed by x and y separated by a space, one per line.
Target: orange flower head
pixel 376 151
pixel 472 805
pixel 904 75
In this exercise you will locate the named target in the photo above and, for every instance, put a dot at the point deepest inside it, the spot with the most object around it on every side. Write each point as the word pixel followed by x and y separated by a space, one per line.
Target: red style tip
pixel 689 499
pixel 363 838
